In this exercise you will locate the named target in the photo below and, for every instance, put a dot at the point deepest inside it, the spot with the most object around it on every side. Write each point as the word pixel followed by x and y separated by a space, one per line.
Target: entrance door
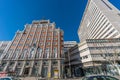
pixel 26 72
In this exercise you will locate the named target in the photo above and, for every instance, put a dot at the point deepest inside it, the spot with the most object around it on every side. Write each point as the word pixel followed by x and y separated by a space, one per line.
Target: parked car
pixel 8 78
pixel 99 77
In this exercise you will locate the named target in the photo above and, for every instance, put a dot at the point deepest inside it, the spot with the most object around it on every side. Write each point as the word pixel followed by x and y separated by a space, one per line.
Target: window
pixel 44 71
pixel 11 63
pixel 20 44
pixel 55 53
pixel 47 52
pixel 9 53
pixel 28 39
pixel 34 71
pixel 55 38
pixel 34 40
pixel 22 40
pixel 15 54
pixel 45 62
pixel 49 34
pixel 31 35
pixel 17 71
pixel 19 64
pixel 4 64
pixel 41 43
pixel 55 33
pixel 54 62
pixel 31 53
pixel 27 44
pixel 36 63
pixel 48 43
pixel 119 14
pixel 54 43
pixel 26 72
pixel 85 57
pixel 14 44
pixel 48 38
pixel 39 53
pixel 27 63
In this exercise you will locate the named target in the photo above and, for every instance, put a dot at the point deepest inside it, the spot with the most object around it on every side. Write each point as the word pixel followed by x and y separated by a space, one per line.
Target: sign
pixel 49 75
pixel 56 74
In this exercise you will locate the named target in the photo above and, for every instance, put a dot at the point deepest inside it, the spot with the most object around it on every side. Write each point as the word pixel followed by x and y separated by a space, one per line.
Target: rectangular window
pixel 48 38
pixel 55 53
pixel 48 43
pixel 118 14
pixel 31 53
pixel 47 52
pixel 55 38
pixel 54 43
pixel 44 71
pixel 39 53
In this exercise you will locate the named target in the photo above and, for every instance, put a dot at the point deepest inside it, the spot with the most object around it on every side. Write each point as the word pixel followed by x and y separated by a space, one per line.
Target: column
pixel 6 66
pixel 22 68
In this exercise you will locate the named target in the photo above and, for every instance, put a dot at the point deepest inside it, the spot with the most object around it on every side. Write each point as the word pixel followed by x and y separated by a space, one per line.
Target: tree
pixel 111 58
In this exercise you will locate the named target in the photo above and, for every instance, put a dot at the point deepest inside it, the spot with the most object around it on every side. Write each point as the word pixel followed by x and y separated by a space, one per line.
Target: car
pixel 99 77
pixel 8 78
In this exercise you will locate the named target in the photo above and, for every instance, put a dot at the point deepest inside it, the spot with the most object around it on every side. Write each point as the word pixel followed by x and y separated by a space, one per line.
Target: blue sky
pixel 14 14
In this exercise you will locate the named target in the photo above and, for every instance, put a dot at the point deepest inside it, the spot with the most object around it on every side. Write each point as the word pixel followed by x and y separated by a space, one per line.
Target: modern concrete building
pixel 73 65
pixel 101 20
pixel 69 44
pixel 4 45
pixel 36 51
pixel 99 34
pixel 97 55
pixel 94 56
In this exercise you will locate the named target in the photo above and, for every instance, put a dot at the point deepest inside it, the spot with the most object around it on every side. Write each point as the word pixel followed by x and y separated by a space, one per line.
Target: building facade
pixel 100 56
pixel 69 44
pixel 94 56
pixel 4 45
pixel 73 64
pixel 36 51
pixel 99 33
pixel 100 21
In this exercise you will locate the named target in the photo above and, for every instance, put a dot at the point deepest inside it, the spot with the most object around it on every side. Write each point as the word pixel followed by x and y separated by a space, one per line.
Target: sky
pixel 67 14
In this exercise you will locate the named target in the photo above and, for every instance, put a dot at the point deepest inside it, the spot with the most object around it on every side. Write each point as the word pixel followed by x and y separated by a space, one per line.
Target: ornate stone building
pixel 36 51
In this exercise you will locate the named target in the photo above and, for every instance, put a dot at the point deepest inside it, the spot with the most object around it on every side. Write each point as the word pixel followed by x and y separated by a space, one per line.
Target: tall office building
pixel 99 34
pixel 95 56
pixel 101 20
pixel 36 51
